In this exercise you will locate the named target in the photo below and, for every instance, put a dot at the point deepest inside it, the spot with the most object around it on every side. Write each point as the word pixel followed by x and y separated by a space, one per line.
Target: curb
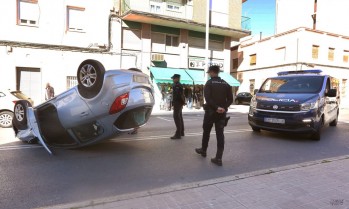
pixel 168 189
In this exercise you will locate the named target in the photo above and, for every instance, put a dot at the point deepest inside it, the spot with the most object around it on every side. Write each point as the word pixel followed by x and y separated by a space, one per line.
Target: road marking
pixel 145 138
pixel 165 119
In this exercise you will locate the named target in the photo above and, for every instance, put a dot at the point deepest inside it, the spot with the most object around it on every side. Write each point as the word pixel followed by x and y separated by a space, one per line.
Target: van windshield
pixel 300 84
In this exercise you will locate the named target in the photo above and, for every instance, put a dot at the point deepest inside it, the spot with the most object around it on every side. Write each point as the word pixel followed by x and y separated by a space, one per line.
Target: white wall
pixel 51 28
pixel 291 14
pixel 332 15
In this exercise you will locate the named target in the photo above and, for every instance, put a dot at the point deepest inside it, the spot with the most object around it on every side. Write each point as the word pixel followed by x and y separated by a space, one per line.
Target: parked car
pixel 102 105
pixel 7 102
pixel 243 98
pixel 301 102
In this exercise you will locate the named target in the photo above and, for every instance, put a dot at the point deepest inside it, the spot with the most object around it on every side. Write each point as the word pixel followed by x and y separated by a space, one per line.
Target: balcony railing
pixel 245 23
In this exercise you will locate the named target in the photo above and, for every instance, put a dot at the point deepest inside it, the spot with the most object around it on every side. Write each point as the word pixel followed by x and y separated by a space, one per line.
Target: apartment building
pixel 45 41
pixel 297 49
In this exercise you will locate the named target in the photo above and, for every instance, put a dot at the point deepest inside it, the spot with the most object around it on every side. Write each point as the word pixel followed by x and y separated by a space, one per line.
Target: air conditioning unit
pixel 157 57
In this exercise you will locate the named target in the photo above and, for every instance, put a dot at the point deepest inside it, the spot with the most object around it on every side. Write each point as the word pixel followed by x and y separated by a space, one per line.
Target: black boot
pixel 176 137
pixel 201 152
pixel 218 159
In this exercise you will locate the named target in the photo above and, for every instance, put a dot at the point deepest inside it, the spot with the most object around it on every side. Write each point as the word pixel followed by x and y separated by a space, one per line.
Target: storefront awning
pixel 229 79
pixel 197 76
pixel 163 75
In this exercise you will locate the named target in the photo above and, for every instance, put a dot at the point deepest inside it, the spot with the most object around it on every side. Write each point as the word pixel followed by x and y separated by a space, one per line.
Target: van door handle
pixel 84 114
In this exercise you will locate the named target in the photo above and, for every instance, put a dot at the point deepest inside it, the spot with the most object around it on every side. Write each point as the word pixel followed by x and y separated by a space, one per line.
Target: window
pixel 75 19
pixel 172 41
pixel 28 12
pixel 331 54
pixel 155 7
pixel 315 52
pixel 174 8
pixel 131 39
pixel 346 56
pixel 235 63
pixel 253 59
pixel 281 54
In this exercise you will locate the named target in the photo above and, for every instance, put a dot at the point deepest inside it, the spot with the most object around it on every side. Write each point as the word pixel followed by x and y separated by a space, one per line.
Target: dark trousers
pixel 218 120
pixel 178 119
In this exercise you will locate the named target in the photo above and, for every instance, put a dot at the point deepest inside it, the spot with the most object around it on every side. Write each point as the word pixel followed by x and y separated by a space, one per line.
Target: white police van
pixel 301 102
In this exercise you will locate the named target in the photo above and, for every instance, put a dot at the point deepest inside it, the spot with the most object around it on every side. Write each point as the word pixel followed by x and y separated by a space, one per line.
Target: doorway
pixel 29 82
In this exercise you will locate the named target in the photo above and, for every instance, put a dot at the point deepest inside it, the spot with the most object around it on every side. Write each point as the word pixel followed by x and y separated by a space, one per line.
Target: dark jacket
pixel 218 93
pixel 177 94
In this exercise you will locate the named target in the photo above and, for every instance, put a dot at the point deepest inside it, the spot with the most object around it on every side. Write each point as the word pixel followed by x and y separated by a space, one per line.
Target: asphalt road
pixel 30 177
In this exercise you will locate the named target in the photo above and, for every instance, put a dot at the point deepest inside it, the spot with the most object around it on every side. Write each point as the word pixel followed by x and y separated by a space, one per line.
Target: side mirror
pixel 255 91
pixel 332 93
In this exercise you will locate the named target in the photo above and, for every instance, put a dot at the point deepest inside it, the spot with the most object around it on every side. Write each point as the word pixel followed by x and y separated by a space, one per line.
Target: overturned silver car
pixel 103 104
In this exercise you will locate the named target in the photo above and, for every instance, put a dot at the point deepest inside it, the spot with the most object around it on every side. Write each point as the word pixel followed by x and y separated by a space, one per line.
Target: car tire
pixel 6 118
pixel 335 121
pixel 90 77
pixel 20 114
pixel 237 102
pixel 255 129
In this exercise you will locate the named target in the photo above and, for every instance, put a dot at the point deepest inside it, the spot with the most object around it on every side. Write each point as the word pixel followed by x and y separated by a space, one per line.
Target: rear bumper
pixel 302 123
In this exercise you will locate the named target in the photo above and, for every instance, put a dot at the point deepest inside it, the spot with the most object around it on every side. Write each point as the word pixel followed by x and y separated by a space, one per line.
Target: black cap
pixel 176 76
pixel 214 68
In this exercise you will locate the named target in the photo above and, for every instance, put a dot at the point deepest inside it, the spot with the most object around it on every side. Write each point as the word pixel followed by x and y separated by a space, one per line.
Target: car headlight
pixel 309 106
pixel 254 102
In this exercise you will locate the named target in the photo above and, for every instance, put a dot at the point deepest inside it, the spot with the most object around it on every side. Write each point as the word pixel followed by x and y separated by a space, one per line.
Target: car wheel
pixel 255 129
pixel 20 114
pixel 6 119
pixel 237 102
pixel 335 121
pixel 90 77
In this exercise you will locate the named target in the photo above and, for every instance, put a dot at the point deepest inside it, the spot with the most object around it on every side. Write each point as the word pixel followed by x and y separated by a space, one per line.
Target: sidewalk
pixel 232 109
pixel 312 185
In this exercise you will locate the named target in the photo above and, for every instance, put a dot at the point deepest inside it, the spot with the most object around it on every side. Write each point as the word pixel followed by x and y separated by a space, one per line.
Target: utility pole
pixel 207 40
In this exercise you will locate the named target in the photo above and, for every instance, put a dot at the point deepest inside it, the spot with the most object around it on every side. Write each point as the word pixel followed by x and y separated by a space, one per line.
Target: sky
pixel 262 14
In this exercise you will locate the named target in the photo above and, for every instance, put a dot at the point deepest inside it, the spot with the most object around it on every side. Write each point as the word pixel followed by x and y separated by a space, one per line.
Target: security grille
pixel 71 81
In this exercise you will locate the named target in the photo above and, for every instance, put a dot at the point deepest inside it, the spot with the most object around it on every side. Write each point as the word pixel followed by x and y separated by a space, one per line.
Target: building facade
pixel 45 41
pixel 324 15
pixel 298 49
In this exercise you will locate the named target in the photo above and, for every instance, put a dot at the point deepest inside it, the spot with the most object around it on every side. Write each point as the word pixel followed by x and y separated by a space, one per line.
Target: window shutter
pixel 76 19
pixel 315 52
pixel 28 11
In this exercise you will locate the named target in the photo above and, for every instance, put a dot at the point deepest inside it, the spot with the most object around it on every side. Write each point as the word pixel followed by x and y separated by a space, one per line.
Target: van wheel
pixel 20 114
pixel 255 129
pixel 316 136
pixel 90 77
pixel 335 121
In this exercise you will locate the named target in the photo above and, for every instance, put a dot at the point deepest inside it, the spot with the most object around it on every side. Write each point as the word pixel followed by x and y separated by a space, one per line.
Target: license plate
pixel 274 120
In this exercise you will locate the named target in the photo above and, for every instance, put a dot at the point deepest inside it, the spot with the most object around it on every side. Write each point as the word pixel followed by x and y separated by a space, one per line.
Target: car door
pixel 248 97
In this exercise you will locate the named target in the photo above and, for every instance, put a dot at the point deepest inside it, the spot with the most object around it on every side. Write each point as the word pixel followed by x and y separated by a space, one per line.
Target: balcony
pixel 159 7
pixel 246 23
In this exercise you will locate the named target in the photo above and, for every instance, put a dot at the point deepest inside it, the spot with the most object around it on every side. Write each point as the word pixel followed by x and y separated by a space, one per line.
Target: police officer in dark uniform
pixel 178 101
pixel 218 95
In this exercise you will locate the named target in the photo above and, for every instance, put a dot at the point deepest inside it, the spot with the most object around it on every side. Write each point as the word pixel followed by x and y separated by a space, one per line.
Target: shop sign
pixel 200 63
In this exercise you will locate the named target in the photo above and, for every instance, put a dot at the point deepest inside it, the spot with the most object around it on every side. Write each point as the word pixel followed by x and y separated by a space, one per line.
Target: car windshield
pixel 299 84
pixel 19 95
